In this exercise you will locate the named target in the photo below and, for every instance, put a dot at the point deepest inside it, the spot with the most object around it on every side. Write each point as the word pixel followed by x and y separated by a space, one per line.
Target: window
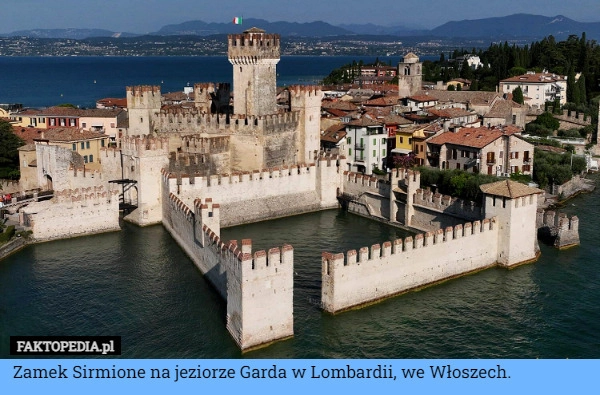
pixel 374 141
pixel 374 153
pixel 83 125
pixel 112 124
pixel 141 120
pixel 74 147
pixel 91 158
pixel 63 122
pixel 82 145
pixel 72 122
pixel 514 117
pixel 409 140
pixel 401 140
pixel 517 155
pixel 458 166
pixel 454 153
pixel 87 144
pixel 383 153
pixel 102 143
pixel 52 122
pixel 349 151
pixel 349 140
pixel 85 159
pixel 383 141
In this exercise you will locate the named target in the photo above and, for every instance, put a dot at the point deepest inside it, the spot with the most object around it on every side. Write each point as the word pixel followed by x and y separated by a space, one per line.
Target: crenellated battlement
pixel 361 179
pixel 144 145
pixel 422 240
pixel 446 204
pixel 141 90
pixel 310 91
pixel 194 121
pixel 253 46
pixel 197 144
pixel 559 229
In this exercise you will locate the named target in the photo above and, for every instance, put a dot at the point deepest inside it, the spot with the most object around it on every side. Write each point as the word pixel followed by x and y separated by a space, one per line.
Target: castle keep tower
pixel 410 77
pixel 254 56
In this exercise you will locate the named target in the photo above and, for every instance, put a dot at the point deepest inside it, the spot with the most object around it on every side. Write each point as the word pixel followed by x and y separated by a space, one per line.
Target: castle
pixel 200 169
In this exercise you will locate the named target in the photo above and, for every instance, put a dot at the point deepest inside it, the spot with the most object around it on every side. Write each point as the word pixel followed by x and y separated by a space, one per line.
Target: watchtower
pixel 410 77
pixel 142 103
pixel 254 56
pixel 515 207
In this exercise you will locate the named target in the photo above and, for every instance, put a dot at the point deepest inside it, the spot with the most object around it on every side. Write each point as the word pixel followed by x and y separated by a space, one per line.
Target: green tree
pixel 518 95
pixel 451 88
pixel 9 154
pixel 548 121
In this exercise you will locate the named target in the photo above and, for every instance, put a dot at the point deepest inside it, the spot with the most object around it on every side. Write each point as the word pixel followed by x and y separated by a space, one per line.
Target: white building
pixel 538 88
pixel 366 142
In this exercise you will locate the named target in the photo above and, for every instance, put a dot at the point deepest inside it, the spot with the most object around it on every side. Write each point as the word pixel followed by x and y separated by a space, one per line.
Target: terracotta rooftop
pixel 70 134
pixel 451 112
pixel 502 109
pixel 536 78
pixel 473 97
pixel 394 119
pixel 382 101
pixel 113 102
pixel 339 105
pixel 509 188
pixel 365 122
pixel 423 98
pixel 28 134
pixel 77 112
pixel 334 133
pixel 470 137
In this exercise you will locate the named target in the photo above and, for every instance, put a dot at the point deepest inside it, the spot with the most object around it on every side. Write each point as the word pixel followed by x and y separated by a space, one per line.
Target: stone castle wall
pixel 258 287
pixel 73 213
pixel 370 274
pixel 267 194
pixel 563 231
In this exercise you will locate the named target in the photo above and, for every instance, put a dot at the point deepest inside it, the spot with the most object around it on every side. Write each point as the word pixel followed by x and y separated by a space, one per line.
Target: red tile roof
pixel 536 78
pixel 470 137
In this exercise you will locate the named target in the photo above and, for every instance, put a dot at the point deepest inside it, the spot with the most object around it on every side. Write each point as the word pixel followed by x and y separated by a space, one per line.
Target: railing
pixel 359 146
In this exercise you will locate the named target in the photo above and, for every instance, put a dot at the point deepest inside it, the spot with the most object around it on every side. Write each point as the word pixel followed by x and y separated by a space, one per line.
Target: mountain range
pixel 517 26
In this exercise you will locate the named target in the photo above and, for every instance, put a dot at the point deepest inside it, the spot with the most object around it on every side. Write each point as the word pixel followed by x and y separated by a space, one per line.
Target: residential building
pixel 366 141
pixel 538 88
pixel 333 139
pixel 28 118
pixel 86 143
pixel 499 151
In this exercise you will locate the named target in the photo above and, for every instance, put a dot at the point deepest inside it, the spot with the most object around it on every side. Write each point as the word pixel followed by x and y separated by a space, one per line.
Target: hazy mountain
pixel 76 34
pixel 518 25
pixel 523 26
pixel 310 29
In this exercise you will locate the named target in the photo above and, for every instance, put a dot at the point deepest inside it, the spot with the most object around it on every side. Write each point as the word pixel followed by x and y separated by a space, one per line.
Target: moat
pixel 140 285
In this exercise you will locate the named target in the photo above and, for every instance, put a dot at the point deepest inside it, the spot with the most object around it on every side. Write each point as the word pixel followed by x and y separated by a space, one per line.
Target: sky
pixel 145 16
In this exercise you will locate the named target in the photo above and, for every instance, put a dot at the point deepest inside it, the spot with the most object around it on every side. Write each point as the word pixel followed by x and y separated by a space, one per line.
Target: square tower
pixel 254 56
pixel 410 75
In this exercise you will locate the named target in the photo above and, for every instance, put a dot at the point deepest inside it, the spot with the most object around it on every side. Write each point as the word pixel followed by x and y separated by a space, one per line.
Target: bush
pixel 8 233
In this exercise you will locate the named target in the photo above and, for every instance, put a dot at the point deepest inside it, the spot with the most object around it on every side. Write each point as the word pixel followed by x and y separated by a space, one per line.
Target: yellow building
pixel 86 143
pixel 28 118
pixel 404 139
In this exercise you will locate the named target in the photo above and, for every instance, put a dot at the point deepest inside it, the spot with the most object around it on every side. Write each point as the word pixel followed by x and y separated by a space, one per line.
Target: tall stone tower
pixel 254 56
pixel 307 100
pixel 142 103
pixel 515 207
pixel 410 77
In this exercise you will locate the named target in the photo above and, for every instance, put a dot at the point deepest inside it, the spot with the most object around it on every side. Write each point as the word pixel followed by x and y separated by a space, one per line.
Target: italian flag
pixel 237 20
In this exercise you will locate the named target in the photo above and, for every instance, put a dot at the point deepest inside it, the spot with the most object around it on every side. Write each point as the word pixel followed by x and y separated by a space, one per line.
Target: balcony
pixel 359 146
pixel 490 161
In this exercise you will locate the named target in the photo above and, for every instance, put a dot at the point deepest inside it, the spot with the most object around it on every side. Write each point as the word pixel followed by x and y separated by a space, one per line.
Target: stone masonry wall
pixel 73 213
pixel 371 274
pixel 258 287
